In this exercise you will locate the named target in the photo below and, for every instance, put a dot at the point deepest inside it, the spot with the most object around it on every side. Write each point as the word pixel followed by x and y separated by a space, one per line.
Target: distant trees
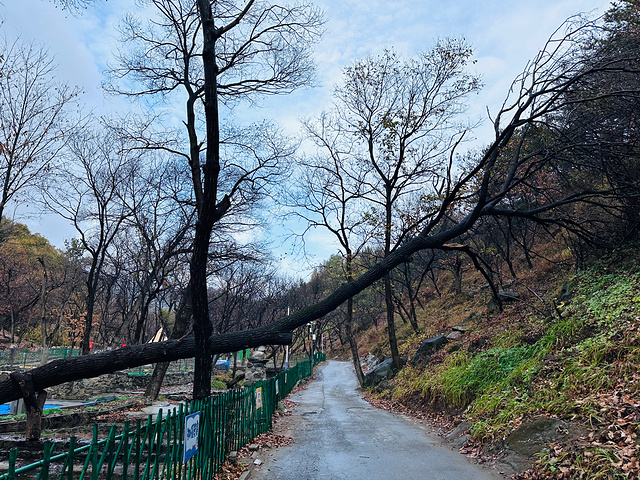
pixel 86 192
pixel 35 278
pixel 329 194
pixel 606 127
pixel 394 127
pixel 35 118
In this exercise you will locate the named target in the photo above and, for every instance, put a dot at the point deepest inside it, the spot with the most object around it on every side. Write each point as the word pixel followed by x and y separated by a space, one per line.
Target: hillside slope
pixel 554 377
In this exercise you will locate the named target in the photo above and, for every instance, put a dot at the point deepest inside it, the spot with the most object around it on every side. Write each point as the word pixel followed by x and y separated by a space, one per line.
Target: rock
pixel 105 399
pixel 454 335
pixel 477 344
pixel 427 348
pixel 565 292
pixel 382 386
pixel 256 370
pixel 382 372
pixel 233 457
pixel 531 437
pixel 508 295
pixel 254 447
pixel 257 356
pixel 461 441
pixel 460 429
pixel 257 461
pixel 369 361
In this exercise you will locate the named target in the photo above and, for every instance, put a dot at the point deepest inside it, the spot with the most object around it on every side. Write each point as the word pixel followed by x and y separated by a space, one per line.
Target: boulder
pixel 382 372
pixel 369 361
pixel 256 370
pixel 427 348
pixel 454 335
pixel 508 295
pixel 532 436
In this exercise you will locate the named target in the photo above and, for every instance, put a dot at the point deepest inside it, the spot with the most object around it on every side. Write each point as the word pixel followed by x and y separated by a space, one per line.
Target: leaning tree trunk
pixel 278 332
pixel 388 288
pixel 353 344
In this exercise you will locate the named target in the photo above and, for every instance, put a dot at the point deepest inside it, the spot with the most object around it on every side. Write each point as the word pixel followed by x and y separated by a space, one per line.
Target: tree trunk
pixel 353 343
pixel 208 209
pixel 155 383
pixel 33 402
pixel 391 325
pixel 457 275
pixel 413 316
pixel 13 325
pixel 92 289
pixel 43 305
pixel 34 416
pixel 179 329
pixel 388 288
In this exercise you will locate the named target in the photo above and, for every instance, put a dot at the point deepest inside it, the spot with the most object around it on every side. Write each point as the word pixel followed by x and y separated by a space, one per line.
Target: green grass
pixel 594 343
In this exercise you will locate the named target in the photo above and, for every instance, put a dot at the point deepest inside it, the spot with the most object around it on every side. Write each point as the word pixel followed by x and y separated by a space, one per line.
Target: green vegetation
pixel 583 368
pixel 218 385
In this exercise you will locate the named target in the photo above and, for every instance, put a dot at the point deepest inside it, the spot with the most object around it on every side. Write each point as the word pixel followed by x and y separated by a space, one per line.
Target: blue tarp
pixel 222 365
pixel 6 408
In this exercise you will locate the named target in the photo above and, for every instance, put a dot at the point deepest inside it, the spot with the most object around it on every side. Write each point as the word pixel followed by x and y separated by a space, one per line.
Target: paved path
pixel 339 436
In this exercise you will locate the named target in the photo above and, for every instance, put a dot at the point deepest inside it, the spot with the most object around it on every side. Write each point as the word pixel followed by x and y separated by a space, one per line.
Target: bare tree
pixel 328 194
pixel 87 194
pixel 400 120
pixel 213 52
pixel 35 118
pixel 155 234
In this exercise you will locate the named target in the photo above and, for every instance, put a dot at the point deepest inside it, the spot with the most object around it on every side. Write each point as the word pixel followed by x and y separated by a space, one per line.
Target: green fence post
pixel 126 453
pixel 68 463
pixel 94 454
pixel 13 455
pixel 136 445
pixel 46 455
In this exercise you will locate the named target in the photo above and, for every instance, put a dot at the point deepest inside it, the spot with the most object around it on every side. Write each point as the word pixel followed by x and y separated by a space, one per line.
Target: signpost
pixel 258 398
pixel 191 432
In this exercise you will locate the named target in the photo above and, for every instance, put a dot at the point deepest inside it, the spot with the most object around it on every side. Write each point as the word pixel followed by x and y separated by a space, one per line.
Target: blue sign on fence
pixel 191 431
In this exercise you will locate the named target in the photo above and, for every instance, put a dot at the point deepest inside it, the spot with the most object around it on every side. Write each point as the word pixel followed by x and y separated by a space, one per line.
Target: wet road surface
pixel 339 436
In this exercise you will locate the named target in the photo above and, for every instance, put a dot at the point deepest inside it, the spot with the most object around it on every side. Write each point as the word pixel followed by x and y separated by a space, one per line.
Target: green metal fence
pixel 153 450
pixel 28 358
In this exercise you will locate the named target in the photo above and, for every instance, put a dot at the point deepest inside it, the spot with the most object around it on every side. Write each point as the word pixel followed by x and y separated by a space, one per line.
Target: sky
pixel 504 35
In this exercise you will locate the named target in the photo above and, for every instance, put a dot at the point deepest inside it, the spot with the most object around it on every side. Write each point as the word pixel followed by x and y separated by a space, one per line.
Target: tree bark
pixel 388 288
pixel 35 413
pixel 89 366
pixel 33 401
pixel 353 343
pixel 179 330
